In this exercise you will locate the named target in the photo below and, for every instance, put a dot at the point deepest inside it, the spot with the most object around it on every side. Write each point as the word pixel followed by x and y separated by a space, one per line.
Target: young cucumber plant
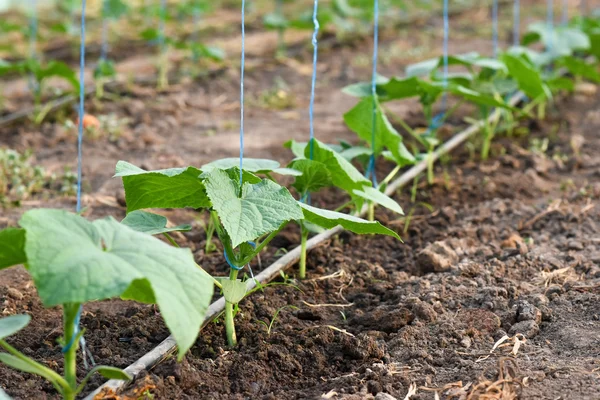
pixel 39 73
pixel 247 212
pixel 73 261
pixel 327 168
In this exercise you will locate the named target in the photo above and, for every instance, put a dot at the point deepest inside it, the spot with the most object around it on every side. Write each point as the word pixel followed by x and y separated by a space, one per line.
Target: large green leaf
pixel 330 219
pixel 260 208
pixel 528 78
pixel 314 176
pixel 478 98
pixel 151 224
pixel 343 174
pixel 374 195
pixel 73 260
pixel 12 247
pixel 13 324
pixel 558 41
pixel 360 120
pixel 166 188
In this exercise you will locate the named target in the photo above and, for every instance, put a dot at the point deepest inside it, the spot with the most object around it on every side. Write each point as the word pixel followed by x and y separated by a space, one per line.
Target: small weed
pixel 269 326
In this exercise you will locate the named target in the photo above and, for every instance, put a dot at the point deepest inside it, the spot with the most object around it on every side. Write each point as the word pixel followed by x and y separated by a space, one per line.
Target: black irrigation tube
pixel 168 346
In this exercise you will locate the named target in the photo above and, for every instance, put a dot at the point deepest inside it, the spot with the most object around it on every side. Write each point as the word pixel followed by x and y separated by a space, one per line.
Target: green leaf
pixel 233 290
pixel 275 21
pixel 343 174
pixel 13 324
pixel 261 208
pixel 297 148
pixel 151 224
pixel 314 175
pixel 330 219
pixel 528 78
pixel 104 69
pixel 363 89
pixel 24 366
pixel 478 98
pixel 374 195
pixel 422 68
pixel 73 260
pixel 167 188
pixel 12 247
pixel 561 83
pixel 111 373
pixel 360 121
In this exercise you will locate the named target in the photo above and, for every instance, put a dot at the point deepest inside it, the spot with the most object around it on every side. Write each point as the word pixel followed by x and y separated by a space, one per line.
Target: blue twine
pixel 233 266
pixel 243 62
pixel 583 8
pixel 565 13
pixel 79 159
pixel 33 28
pixel 161 25
pixel 314 79
pixel 81 101
pixel 495 27
pixel 371 169
pixel 516 23
pixel 76 329
pixel 550 23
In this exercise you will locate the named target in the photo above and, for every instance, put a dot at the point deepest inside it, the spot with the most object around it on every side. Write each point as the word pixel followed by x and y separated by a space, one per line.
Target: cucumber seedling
pixel 74 261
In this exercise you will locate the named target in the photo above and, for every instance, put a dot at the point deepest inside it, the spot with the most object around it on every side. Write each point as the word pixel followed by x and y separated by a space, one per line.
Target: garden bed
pixel 513 243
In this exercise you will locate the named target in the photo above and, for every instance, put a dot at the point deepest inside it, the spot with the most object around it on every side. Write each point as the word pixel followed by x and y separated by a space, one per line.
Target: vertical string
pixel 242 67
pixel 516 23
pixel 371 168
pixel 81 100
pixel 79 164
pixel 495 27
pixel 550 22
pixel 564 19
pixel 314 78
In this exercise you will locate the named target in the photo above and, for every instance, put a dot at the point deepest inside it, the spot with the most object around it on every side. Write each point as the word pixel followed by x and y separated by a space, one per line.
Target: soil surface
pixel 504 252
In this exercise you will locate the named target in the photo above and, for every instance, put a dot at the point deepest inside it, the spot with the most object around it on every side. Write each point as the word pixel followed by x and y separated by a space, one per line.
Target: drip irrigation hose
pixel 169 346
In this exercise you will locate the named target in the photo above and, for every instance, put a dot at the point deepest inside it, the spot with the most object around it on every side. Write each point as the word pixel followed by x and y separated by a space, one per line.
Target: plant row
pixel 73 261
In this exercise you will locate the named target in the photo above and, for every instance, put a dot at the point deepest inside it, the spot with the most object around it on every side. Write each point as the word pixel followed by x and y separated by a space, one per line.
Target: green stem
pixel 229 322
pixel 70 311
pixel 261 246
pixel 371 211
pixel 170 239
pixel 99 88
pixel 303 240
pixel 390 176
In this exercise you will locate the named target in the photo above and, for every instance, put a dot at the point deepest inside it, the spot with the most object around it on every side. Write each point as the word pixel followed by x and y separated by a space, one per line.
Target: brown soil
pixel 512 247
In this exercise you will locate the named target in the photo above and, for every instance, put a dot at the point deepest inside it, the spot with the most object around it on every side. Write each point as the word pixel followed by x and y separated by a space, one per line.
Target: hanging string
pixel 371 168
pixel 495 27
pixel 565 13
pixel 76 328
pixel 314 79
pixel 550 24
pixel 33 28
pixel 516 23
pixel 242 67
